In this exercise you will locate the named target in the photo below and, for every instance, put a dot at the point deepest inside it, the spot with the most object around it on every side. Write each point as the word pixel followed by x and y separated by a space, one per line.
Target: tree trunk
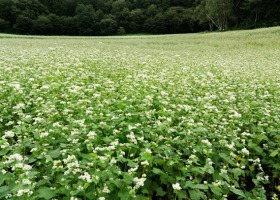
pixel 210 26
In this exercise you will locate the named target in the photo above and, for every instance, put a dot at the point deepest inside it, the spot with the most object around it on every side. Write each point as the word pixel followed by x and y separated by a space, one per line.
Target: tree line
pixel 110 17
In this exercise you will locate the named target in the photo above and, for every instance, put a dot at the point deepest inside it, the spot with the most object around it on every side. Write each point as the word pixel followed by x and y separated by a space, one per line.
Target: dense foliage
pixel 154 117
pixel 108 17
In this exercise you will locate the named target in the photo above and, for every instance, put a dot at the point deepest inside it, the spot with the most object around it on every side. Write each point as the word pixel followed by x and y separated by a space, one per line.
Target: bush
pixel 23 24
pixel 121 31
pixel 108 26
pixel 3 24
pixel 42 25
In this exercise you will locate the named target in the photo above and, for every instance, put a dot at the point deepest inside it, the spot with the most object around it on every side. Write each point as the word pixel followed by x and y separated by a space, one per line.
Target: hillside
pixel 119 17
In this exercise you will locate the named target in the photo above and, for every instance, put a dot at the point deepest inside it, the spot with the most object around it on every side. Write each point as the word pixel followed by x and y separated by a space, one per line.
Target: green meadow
pixel 187 116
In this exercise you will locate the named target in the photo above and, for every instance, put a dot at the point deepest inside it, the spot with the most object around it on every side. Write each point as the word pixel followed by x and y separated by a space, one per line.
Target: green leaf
pixel 7 176
pixel 128 178
pixel 238 192
pixel 189 184
pixel 131 164
pixel 274 153
pixel 116 182
pixel 201 186
pixel 210 170
pixel 181 194
pixel 63 145
pixel 147 156
pixel 46 193
pixel 4 191
pixel 216 190
pixel 42 182
pixel 157 171
pixel 140 197
pixel 145 190
pixel 124 194
pixel 224 156
pixel 48 158
pixel 54 153
pixel 21 128
pixel 86 185
pixel 87 157
pixel 159 161
pixel 225 176
pixel 252 168
pixel 196 195
pixel 37 136
pixel 255 181
pixel 76 192
pixel 4 152
pixel 160 192
pixel 200 130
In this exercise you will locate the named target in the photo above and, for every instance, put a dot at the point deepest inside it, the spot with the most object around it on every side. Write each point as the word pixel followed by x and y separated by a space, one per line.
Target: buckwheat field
pixel 194 116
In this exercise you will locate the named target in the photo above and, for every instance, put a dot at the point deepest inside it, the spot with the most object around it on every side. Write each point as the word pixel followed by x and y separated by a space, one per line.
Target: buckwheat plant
pixel 192 116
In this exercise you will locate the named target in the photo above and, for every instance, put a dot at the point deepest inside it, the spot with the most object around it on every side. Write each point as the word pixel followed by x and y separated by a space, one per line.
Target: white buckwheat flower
pixel 145 163
pixel 91 135
pixel 106 189
pixel 148 150
pixel 176 186
pixel 86 177
pixel 44 134
pixel 230 146
pixel 14 157
pixel 206 142
pixel 26 182
pixel 8 134
pixel 139 182
pixel 245 151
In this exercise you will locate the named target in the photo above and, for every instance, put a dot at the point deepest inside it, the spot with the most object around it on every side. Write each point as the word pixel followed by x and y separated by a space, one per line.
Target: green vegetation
pixel 112 17
pixel 143 117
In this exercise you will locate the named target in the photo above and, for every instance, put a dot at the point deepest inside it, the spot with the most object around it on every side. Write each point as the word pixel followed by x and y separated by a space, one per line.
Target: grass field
pixel 192 116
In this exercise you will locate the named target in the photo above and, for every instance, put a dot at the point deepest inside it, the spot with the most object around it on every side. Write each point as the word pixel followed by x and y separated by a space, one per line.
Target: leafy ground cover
pixel 147 117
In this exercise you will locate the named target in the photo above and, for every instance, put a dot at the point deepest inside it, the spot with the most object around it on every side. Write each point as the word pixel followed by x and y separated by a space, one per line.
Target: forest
pixel 119 17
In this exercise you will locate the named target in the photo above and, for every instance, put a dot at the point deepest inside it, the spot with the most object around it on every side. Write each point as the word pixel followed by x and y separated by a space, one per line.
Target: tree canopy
pixel 109 17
